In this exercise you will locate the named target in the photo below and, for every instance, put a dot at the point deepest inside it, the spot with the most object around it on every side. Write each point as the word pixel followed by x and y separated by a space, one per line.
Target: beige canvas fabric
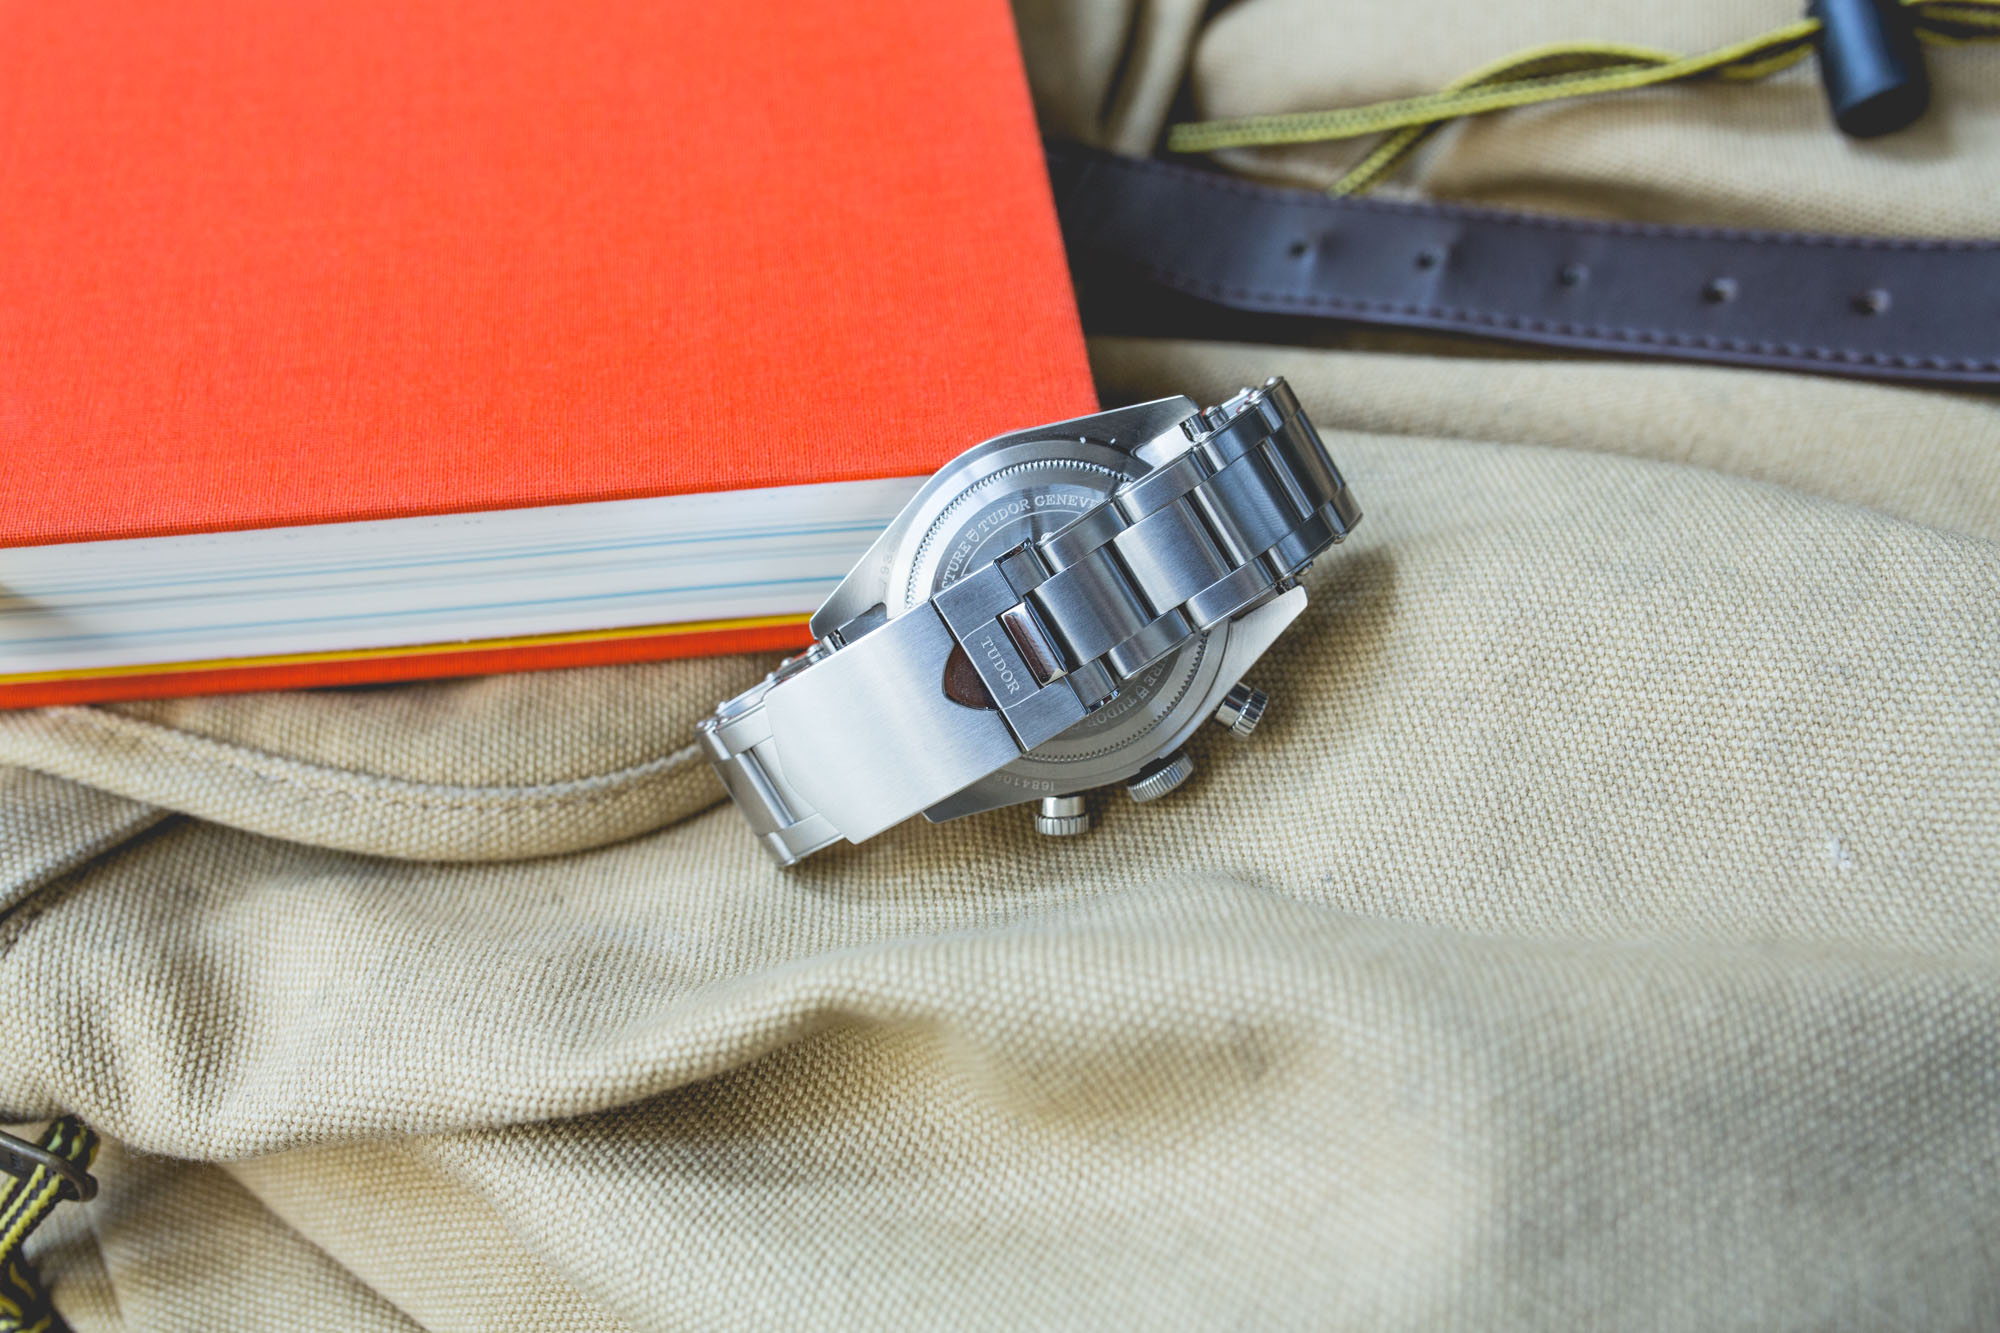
pixel 1600 931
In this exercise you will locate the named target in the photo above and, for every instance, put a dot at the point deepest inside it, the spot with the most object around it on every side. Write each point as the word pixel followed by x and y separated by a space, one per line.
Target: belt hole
pixel 1429 258
pixel 1719 290
pixel 1572 275
pixel 1299 248
pixel 1871 302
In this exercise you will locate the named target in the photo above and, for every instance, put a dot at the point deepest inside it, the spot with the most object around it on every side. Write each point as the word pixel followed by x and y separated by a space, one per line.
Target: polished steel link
pixel 1170 555
pixel 1091 606
pixel 738 743
pixel 1159 488
pixel 1063 549
pixel 1173 553
pixel 1205 536
pixel 1055 627
pixel 1246 504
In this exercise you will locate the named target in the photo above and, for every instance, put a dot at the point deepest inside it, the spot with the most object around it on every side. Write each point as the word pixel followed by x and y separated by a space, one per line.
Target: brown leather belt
pixel 1163 248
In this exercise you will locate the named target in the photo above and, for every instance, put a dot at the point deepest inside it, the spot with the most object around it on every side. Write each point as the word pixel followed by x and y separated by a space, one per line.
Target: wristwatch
pixel 1056 610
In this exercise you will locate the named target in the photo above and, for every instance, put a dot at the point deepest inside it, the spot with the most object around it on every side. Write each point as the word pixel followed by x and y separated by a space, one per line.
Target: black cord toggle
pixel 1871 65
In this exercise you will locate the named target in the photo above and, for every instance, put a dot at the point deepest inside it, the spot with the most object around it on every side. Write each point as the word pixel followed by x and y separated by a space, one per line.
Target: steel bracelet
pixel 860 733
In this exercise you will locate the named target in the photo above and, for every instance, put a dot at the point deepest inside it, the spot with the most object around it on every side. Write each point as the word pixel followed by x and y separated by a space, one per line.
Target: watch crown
pixel 1161 779
pixel 1062 816
pixel 1242 709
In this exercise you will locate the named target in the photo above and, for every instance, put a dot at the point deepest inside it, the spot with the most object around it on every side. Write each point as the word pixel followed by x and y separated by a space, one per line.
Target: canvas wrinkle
pixel 966 1161
pixel 48 827
pixel 1107 72
pixel 527 729
pixel 473 1272
pixel 361 811
pixel 180 1246
pixel 1598 932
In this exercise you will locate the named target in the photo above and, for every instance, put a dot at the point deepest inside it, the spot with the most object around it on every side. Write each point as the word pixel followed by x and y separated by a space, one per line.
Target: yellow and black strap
pixel 1551 73
pixel 38 1176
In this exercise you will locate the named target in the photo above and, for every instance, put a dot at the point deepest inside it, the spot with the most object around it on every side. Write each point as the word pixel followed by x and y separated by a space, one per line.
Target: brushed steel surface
pixel 867 737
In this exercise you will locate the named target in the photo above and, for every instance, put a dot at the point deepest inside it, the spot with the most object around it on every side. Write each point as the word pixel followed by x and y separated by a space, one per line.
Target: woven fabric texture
pixel 1600 930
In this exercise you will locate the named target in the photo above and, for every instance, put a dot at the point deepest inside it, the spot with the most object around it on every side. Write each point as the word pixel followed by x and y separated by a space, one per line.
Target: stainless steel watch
pixel 1056 610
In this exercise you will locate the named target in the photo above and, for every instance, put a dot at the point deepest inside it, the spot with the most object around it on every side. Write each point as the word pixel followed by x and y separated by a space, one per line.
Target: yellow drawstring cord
pixel 1547 74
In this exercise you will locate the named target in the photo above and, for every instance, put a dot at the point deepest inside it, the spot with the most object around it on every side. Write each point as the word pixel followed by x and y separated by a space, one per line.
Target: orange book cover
pixel 363 266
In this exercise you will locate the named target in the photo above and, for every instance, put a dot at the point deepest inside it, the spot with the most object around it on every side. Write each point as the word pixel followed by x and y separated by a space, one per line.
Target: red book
pixel 352 340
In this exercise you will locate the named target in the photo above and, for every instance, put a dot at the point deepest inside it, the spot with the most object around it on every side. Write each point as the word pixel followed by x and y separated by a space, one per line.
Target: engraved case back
pixel 1005 497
